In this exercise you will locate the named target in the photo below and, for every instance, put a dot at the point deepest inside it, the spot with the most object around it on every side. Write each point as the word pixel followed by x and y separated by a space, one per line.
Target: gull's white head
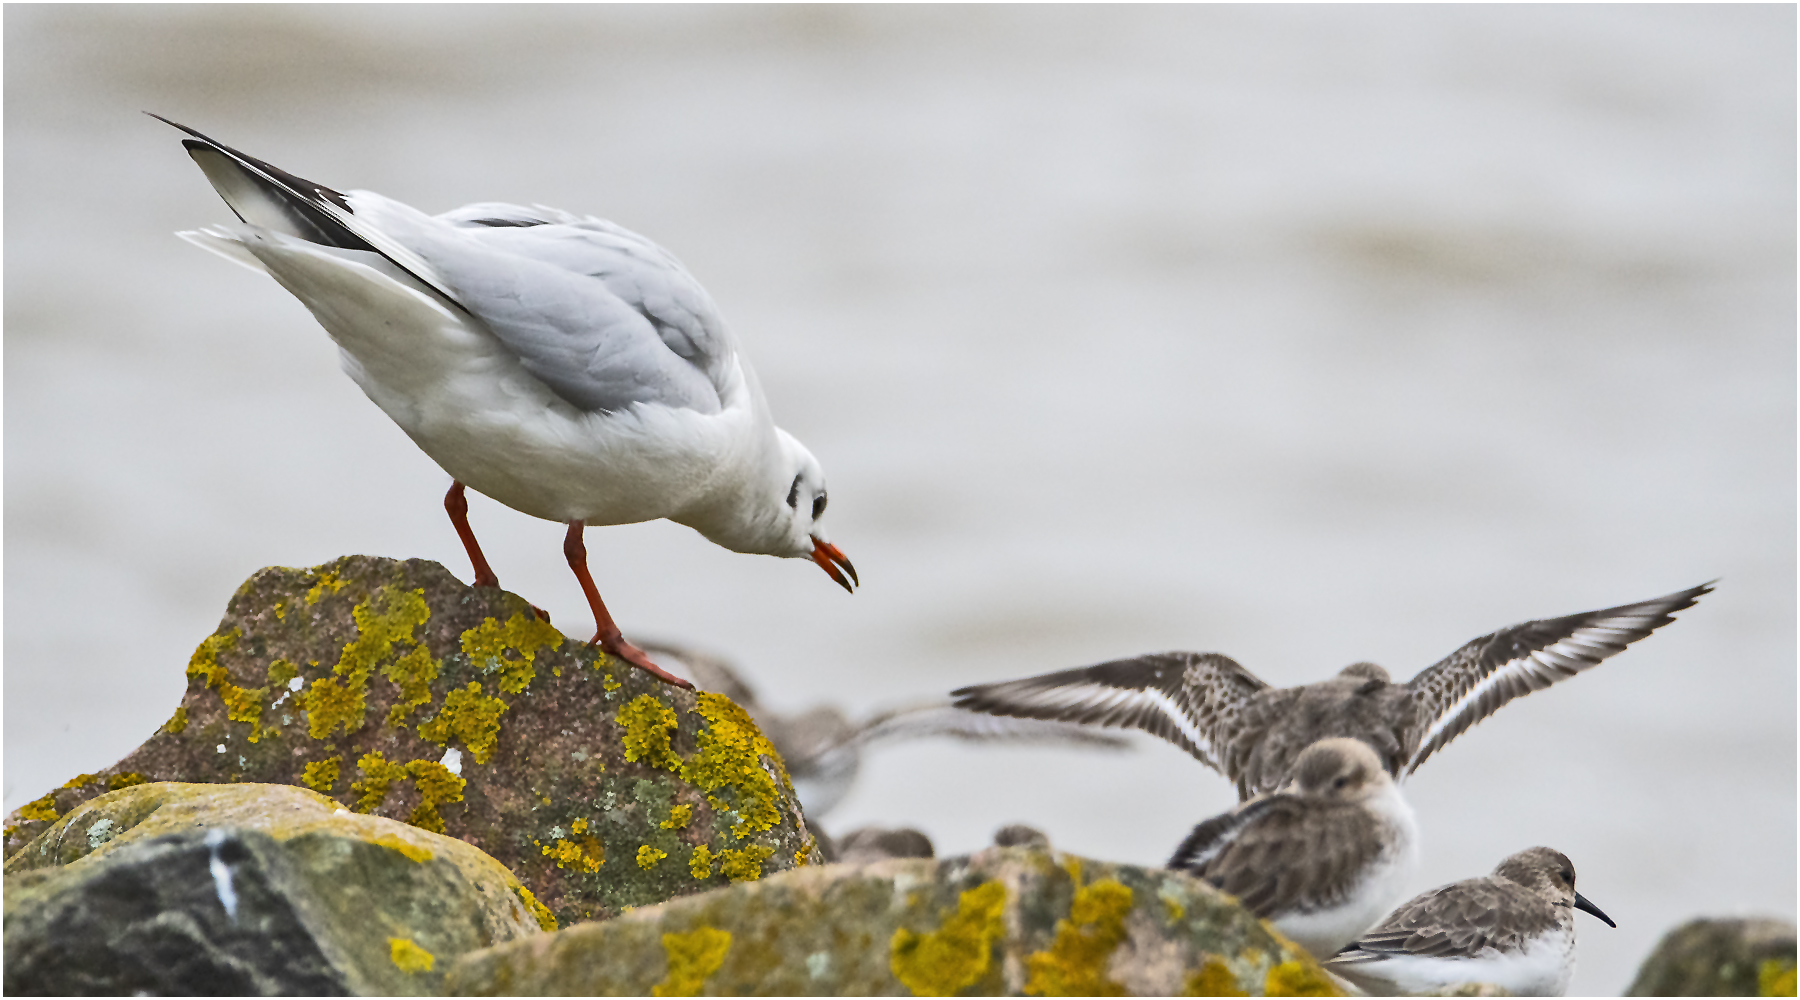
pixel 803 504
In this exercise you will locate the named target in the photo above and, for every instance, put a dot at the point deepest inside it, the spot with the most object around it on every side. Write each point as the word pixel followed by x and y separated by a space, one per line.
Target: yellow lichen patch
pixel 1076 963
pixel 205 661
pixel 244 705
pixel 381 621
pixel 177 722
pixel 125 779
pixel 1214 979
pixel 378 774
pixel 412 674
pixel 610 683
pixel 745 865
pixel 957 955
pixel 647 722
pixel 579 826
pixel 1775 978
pixel 524 634
pixel 546 920
pixel 40 809
pixel 322 775
pixel 281 609
pixel 700 865
pixel 81 781
pixel 678 817
pixel 330 704
pixel 410 957
pixel 328 580
pixel 280 672
pixel 587 855
pixel 436 786
pixel 1298 979
pixel 648 856
pixel 413 852
pixel 730 755
pixel 693 957
pixel 1171 900
pixel 470 716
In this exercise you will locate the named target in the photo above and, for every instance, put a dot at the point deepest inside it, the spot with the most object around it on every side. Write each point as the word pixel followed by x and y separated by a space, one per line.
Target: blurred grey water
pixel 1307 335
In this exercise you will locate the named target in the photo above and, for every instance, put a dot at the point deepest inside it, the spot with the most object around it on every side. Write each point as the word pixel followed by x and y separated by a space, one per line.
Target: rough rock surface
pixel 174 888
pixel 1720 958
pixel 1004 921
pixel 398 691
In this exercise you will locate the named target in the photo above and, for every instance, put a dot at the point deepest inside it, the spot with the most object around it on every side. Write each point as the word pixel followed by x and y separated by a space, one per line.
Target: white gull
pixel 560 364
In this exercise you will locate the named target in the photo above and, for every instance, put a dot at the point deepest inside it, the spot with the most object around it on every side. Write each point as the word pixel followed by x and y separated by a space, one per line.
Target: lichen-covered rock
pixel 174 888
pixel 1720 958
pixel 1004 921
pixel 400 692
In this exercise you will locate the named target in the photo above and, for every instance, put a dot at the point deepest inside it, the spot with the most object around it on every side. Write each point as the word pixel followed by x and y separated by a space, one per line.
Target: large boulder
pixel 248 889
pixel 1720 958
pixel 1004 921
pixel 400 692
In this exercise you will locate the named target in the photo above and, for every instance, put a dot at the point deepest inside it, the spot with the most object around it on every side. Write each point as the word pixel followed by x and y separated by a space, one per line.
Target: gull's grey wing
pixel 600 315
pixel 1193 700
pixel 1472 683
pixel 604 316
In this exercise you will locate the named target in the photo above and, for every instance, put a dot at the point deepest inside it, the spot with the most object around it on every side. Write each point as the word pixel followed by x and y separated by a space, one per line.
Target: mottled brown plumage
pixel 1514 928
pixel 1323 858
pixel 1234 722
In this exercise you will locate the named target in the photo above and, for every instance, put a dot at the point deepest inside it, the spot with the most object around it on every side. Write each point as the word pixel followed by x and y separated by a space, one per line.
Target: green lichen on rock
pixel 730 755
pixel 1213 979
pixel 412 674
pixel 744 865
pixel 1775 978
pixel 1299 979
pixel 647 723
pixel 525 634
pixel 322 775
pixel 545 919
pixel 693 957
pixel 469 716
pixel 409 957
pixel 957 955
pixel 1076 962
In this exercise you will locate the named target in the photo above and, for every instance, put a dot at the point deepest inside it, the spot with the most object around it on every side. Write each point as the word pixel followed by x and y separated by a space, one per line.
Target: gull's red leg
pixel 606 633
pixel 458 506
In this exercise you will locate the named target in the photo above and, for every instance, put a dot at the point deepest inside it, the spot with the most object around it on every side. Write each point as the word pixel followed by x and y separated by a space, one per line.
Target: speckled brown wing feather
pixel 1276 726
pixel 1472 683
pixel 1456 920
pixel 1193 700
pixel 1282 849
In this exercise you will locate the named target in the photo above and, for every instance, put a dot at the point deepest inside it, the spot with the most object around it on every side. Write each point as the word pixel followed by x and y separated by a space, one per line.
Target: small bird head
pixel 804 503
pixel 1339 768
pixel 1550 874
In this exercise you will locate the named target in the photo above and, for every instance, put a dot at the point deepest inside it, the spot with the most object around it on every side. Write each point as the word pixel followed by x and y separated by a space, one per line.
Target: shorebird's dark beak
pixel 1581 903
pixel 829 559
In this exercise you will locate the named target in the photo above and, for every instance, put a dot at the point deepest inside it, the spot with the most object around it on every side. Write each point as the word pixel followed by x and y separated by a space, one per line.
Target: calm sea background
pixel 1307 335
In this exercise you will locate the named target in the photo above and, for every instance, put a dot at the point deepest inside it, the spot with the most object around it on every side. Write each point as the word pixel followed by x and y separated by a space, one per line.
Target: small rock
pixel 1020 835
pixel 872 843
pixel 247 889
pixel 1720 958
pixel 1004 921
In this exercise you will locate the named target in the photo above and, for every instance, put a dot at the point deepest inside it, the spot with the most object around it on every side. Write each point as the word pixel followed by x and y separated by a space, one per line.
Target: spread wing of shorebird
pixel 1196 701
pixel 1235 723
pixel 1472 683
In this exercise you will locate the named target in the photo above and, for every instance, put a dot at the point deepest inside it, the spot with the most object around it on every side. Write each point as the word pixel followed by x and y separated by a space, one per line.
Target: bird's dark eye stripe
pixel 794 494
pixel 818 506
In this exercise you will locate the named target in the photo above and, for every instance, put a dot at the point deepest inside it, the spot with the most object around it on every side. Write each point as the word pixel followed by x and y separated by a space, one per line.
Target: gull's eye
pixel 818 506
pixel 794 494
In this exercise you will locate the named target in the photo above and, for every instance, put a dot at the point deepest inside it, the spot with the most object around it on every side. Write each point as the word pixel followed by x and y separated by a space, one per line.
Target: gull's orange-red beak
pixel 829 559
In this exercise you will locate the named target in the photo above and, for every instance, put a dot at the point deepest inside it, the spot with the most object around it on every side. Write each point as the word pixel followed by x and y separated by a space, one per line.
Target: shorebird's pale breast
pixel 1541 968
